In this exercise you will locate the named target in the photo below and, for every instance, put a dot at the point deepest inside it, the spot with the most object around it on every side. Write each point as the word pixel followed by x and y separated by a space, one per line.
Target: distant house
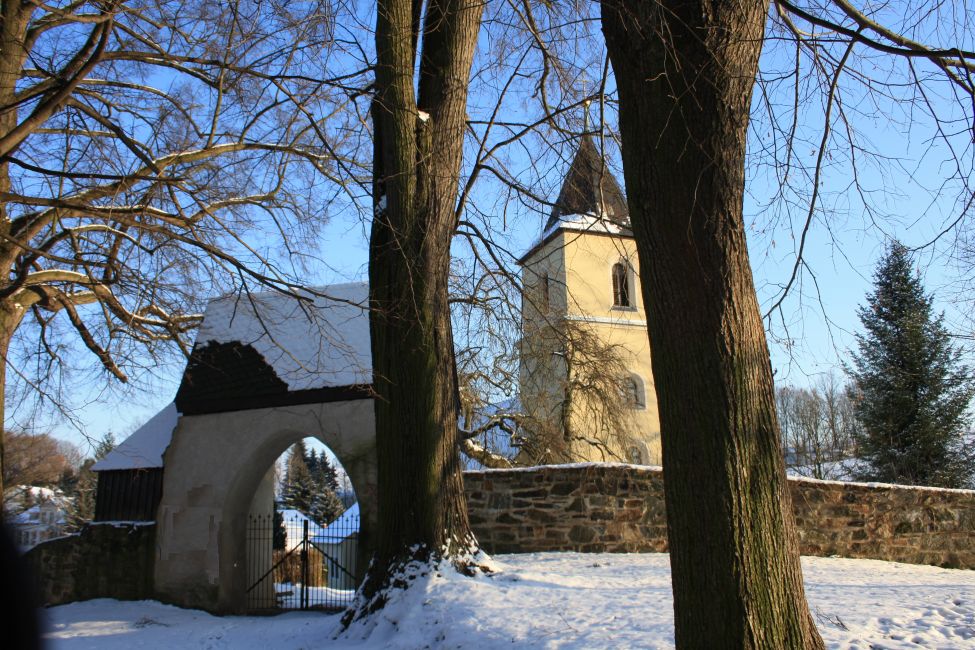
pixel 40 514
pixel 337 542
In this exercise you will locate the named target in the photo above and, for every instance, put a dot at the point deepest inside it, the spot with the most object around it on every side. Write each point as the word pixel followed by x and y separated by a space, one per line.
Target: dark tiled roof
pixel 590 188
pixel 226 370
pixel 233 376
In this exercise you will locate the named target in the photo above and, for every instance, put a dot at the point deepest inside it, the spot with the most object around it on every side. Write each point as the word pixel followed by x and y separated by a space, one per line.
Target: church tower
pixel 585 377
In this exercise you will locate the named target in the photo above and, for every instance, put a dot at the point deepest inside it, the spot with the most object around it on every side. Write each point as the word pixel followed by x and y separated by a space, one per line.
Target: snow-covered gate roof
pixel 258 350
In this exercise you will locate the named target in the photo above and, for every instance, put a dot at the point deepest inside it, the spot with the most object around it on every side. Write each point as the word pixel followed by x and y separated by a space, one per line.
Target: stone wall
pixel 620 508
pixel 102 561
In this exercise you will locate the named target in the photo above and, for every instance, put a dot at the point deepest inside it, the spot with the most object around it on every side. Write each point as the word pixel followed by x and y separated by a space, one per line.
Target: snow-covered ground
pixel 552 600
pixel 289 595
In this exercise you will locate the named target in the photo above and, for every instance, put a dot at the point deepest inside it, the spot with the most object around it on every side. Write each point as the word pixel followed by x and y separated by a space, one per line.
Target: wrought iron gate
pixel 296 563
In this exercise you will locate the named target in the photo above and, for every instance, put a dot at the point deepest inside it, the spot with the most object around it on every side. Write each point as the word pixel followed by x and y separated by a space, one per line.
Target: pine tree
pixel 280 535
pixel 105 445
pixel 327 507
pixel 299 487
pixel 327 474
pixel 326 504
pixel 82 508
pixel 310 484
pixel 913 391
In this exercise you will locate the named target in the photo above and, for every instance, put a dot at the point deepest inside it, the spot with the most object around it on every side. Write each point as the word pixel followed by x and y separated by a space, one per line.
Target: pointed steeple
pixel 590 188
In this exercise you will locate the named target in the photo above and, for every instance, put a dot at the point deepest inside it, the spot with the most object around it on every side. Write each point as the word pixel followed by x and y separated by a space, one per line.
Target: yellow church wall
pixel 542 373
pixel 589 259
pixel 579 266
pixel 546 260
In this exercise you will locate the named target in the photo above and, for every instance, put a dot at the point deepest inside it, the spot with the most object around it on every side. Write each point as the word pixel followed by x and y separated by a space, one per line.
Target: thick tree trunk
pixel 685 72
pixel 3 430
pixel 8 325
pixel 13 24
pixel 418 149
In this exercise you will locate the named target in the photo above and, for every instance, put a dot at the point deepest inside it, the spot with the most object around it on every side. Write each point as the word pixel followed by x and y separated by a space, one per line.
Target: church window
pixel 634 392
pixel 621 285
pixel 546 291
pixel 634 455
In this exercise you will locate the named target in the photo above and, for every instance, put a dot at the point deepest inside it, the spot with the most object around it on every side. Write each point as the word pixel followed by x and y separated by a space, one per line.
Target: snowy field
pixel 552 600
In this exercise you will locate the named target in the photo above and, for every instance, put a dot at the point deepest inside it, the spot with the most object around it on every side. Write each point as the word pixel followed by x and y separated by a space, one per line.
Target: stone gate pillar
pixel 213 469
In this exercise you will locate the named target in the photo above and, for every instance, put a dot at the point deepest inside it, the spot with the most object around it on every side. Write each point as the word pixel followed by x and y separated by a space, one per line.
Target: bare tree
pixel 143 146
pixel 577 384
pixel 818 428
pixel 552 390
pixel 36 459
pixel 733 547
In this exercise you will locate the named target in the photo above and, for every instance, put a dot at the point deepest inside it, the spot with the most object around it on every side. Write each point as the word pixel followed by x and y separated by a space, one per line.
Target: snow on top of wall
pixel 319 342
pixel 874 484
pixel 658 468
pixel 584 465
pixel 145 447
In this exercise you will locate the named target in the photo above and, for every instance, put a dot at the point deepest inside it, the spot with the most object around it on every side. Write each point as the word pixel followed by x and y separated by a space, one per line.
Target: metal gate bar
pixel 313 568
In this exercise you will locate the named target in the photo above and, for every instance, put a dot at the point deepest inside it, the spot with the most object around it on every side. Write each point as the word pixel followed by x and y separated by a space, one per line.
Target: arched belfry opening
pixel 622 291
pixel 268 370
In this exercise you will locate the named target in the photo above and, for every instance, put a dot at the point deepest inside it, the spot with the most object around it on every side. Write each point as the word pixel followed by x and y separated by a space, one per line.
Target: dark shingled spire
pixel 590 188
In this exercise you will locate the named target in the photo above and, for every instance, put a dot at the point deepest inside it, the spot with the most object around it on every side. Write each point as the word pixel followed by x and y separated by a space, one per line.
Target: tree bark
pixel 9 320
pixel 14 19
pixel 418 150
pixel 3 429
pixel 13 23
pixel 685 71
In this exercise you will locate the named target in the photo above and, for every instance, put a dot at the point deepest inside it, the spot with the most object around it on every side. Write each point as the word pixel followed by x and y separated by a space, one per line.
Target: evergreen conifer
pixel 280 535
pixel 299 488
pixel 82 508
pixel 912 389
pixel 326 504
pixel 310 485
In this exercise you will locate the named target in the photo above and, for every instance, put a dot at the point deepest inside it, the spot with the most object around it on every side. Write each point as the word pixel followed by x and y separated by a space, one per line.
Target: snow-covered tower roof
pixel 590 201
pixel 256 350
pixel 590 189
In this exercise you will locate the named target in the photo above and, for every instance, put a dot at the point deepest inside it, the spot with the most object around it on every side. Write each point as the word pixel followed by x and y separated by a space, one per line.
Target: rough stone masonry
pixel 620 509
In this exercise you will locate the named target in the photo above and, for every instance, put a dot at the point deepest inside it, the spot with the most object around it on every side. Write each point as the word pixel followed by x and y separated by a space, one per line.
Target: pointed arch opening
pixel 302 553
pixel 635 391
pixel 546 297
pixel 622 289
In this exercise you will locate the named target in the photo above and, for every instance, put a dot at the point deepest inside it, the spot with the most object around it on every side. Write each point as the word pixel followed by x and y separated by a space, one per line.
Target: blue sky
pixel 898 192
pixel 844 278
